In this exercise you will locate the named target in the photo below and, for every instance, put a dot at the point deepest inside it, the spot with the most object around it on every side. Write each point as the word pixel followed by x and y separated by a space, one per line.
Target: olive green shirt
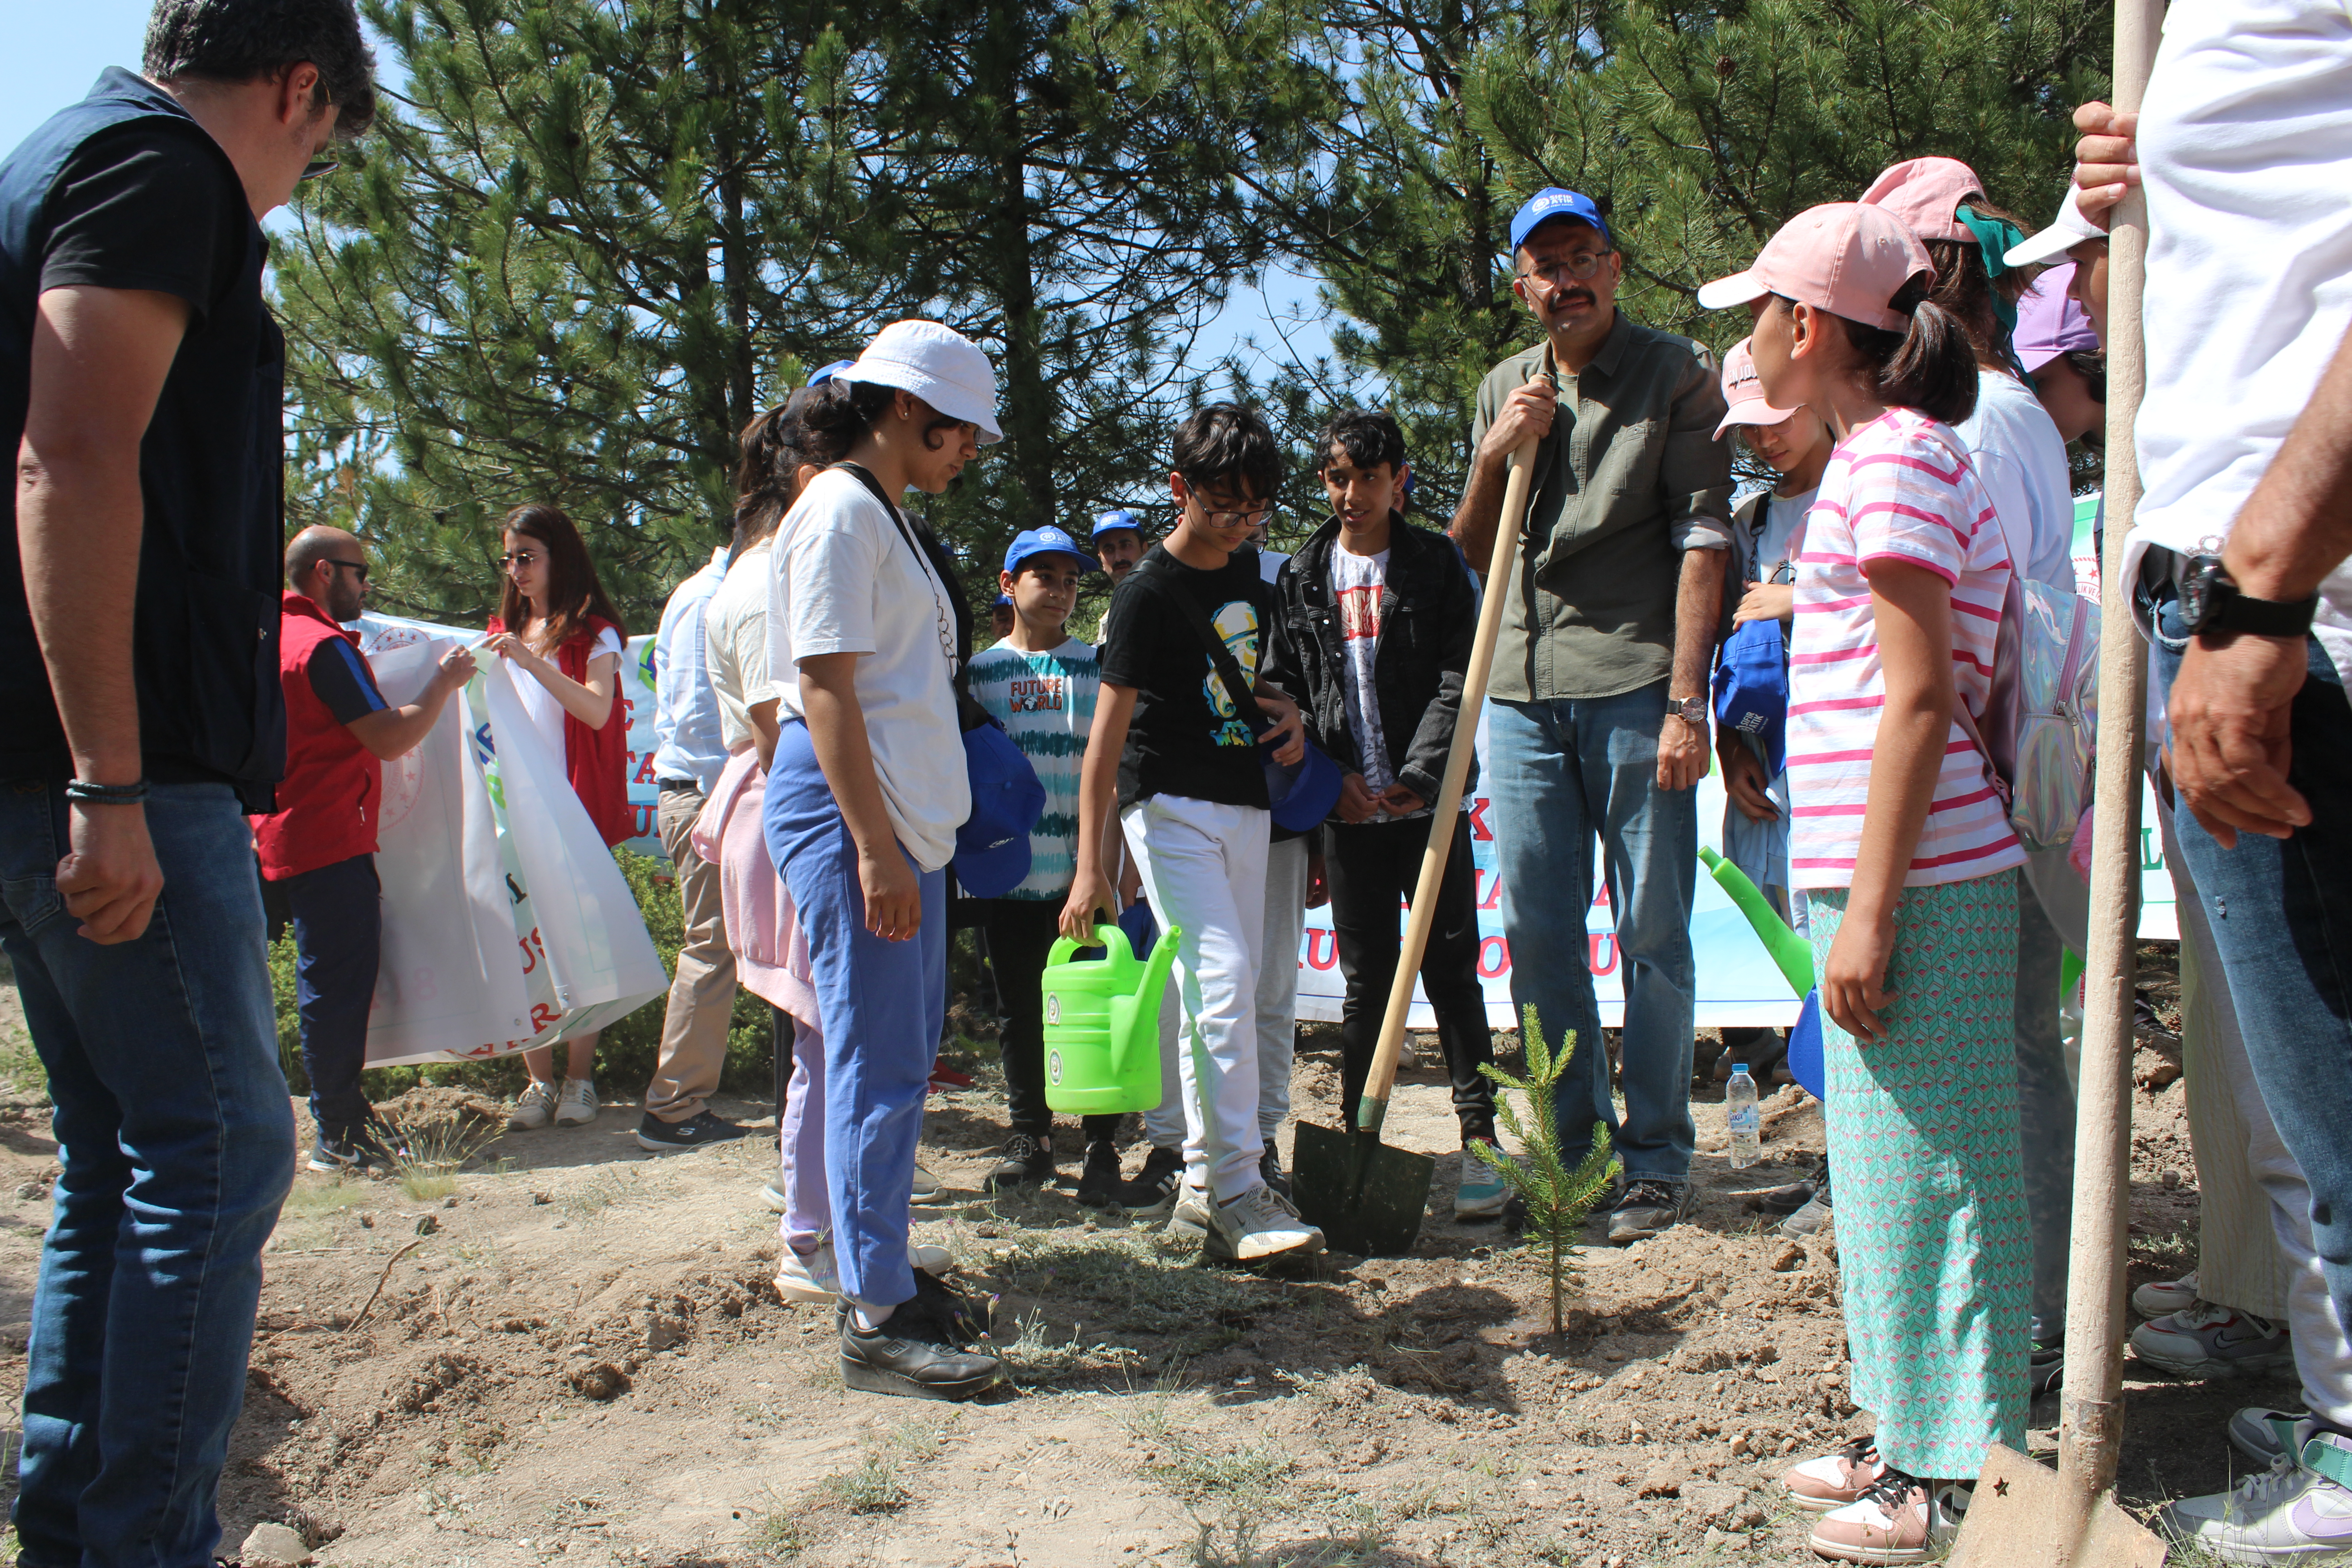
pixel 1630 477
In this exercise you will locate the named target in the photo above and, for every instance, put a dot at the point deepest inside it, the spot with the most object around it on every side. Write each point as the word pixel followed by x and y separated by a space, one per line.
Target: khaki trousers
pixel 702 993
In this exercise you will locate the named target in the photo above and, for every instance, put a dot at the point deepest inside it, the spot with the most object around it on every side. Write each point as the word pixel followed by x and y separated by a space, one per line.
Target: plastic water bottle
pixel 1746 1120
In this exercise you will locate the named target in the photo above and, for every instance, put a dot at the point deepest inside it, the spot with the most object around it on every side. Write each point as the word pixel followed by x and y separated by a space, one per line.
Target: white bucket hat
pixel 938 364
pixel 2066 231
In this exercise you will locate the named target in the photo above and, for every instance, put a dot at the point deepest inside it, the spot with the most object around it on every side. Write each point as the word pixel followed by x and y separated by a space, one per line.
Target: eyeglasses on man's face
pixel 1576 269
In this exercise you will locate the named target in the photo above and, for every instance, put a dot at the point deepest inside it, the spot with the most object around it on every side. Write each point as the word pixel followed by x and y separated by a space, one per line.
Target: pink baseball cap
pixel 1845 257
pixel 1923 192
pixel 1745 393
pixel 2049 323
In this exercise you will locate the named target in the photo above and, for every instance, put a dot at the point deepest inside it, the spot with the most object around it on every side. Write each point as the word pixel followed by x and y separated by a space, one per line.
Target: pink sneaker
pixel 1899 1519
pixel 1835 1479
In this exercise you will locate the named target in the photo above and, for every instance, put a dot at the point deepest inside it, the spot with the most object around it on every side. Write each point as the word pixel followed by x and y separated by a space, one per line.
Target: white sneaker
pixel 2162 1298
pixel 576 1106
pixel 812 1276
pixel 535 1107
pixel 927 1188
pixel 1258 1224
pixel 2289 1510
pixel 2212 1341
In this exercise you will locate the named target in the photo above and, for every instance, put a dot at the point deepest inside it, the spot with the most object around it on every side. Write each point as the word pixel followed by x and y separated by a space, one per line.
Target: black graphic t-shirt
pixel 1189 735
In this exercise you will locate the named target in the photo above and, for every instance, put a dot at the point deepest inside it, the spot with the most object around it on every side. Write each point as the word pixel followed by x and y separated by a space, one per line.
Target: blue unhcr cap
pixel 1004 601
pixel 1553 202
pixel 1046 541
pixel 1122 517
pixel 1751 687
pixel 991 854
pixel 829 371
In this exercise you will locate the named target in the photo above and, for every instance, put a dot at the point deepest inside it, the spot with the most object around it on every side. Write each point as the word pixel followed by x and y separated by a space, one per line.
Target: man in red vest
pixel 319 846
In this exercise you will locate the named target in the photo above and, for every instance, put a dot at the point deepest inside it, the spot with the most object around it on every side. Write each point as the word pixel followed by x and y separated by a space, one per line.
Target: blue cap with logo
pixel 1553 202
pixel 1046 541
pixel 1004 601
pixel 829 371
pixel 991 854
pixel 1123 518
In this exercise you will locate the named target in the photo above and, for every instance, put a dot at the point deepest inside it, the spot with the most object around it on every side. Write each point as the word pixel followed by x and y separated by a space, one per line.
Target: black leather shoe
pixel 924 1350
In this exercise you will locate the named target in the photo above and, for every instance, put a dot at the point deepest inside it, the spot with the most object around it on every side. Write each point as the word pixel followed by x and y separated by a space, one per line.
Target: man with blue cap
pixel 1599 716
pixel 1118 541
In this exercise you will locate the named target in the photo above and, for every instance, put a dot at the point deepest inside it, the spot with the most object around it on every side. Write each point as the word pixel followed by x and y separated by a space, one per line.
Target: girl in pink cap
pixel 1909 871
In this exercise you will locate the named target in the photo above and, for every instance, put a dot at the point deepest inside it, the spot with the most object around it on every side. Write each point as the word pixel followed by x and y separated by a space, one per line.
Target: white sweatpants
pixel 1277 982
pixel 1203 866
pixel 2241 1162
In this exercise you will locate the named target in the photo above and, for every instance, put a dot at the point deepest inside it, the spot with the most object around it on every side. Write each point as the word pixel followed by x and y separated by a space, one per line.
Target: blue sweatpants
pixel 883 1003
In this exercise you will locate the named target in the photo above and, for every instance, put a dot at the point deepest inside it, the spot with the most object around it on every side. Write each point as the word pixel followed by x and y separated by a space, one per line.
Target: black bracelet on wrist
pixel 106 794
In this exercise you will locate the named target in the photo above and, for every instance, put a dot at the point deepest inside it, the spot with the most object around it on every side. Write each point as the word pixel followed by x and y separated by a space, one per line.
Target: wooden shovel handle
pixel 1502 570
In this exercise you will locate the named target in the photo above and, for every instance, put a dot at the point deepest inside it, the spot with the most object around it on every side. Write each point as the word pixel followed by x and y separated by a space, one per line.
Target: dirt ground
pixel 570 1351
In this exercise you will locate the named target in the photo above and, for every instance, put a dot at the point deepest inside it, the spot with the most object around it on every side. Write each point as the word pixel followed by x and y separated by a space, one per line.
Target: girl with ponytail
pixel 1908 868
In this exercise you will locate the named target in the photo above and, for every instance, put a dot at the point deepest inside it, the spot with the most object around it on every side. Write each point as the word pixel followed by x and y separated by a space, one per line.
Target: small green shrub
pixel 1558 1199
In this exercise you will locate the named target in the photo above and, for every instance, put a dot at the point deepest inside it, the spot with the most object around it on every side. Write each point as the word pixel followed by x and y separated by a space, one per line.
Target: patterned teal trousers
pixel 1933 1245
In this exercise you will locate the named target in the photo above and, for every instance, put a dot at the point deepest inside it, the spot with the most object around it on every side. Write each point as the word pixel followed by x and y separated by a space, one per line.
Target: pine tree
pixel 1556 1198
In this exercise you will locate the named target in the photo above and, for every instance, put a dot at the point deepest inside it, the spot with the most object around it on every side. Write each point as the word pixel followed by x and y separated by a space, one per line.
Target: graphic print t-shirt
pixel 1046 703
pixel 1358 582
pixel 1189 736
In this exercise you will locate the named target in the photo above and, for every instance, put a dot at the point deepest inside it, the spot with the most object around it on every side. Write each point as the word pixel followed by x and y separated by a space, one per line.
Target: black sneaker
pixel 348 1152
pixel 2045 1365
pixel 925 1350
pixel 695 1132
pixel 1648 1207
pixel 1153 1191
pixel 1269 1166
pixel 1816 1214
pixel 1098 1184
pixel 1028 1161
pixel 1792 1197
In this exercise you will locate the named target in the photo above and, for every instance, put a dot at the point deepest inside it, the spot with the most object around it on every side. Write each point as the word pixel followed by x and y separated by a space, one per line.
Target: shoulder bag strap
pixel 1229 669
pixel 958 662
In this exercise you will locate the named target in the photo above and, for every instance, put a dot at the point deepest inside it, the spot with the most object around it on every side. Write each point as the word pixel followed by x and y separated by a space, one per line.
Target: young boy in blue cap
pixel 1039 682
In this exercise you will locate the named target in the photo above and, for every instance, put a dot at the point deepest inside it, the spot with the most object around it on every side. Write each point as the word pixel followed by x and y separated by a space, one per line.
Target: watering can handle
pixel 1105 937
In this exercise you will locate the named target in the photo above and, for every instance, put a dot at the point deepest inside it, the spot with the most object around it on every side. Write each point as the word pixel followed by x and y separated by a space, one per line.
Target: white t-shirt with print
pixel 843 578
pixel 1782 535
pixel 2022 460
pixel 1356 584
pixel 2245 152
pixel 540 704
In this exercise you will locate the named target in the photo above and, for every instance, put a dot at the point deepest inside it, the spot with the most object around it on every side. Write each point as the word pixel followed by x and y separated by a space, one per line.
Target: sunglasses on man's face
pixel 358 566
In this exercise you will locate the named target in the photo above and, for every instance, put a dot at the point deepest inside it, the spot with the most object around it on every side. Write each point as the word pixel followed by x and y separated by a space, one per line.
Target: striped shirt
pixel 1900 488
pixel 1046 703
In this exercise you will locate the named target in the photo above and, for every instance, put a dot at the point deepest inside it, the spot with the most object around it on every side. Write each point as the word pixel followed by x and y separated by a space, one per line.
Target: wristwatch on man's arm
pixel 2211 602
pixel 1691 711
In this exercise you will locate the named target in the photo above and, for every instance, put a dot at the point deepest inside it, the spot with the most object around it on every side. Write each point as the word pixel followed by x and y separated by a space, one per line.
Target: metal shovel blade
pixel 1366 1197
pixel 2019 1512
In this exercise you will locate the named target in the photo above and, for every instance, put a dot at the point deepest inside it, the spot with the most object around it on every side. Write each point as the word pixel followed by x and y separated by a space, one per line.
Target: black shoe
pixel 1650 1207
pixel 347 1150
pixel 1098 1184
pixel 1792 1197
pixel 1269 1166
pixel 924 1350
pixel 696 1131
pixel 1028 1161
pixel 1817 1212
pixel 1153 1191
pixel 2045 1366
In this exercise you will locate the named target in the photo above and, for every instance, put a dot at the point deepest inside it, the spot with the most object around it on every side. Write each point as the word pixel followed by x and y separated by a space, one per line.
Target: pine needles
pixel 1556 1198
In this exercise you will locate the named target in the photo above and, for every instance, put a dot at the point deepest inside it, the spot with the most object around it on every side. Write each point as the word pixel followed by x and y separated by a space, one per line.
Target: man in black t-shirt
pixel 1182 745
pixel 140 717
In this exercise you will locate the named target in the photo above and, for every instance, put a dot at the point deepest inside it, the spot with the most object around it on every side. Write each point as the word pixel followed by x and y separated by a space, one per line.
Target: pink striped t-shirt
pixel 1899 488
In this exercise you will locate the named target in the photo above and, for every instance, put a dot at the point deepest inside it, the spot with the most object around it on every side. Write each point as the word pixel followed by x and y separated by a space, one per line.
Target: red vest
pixel 326 805
pixel 595 761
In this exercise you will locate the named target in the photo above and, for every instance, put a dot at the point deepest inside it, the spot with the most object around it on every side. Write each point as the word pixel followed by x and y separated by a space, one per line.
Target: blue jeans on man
pixel 338 944
pixel 1558 773
pixel 178 1146
pixel 2280 912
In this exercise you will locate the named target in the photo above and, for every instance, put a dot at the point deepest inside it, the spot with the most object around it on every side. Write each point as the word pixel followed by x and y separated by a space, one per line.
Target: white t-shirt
pixel 2245 151
pixel 2022 460
pixel 1356 584
pixel 735 645
pixel 843 578
pixel 1782 535
pixel 547 713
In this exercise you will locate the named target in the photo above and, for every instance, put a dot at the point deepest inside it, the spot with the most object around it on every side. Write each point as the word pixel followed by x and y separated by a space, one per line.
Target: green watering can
pixel 1102 1025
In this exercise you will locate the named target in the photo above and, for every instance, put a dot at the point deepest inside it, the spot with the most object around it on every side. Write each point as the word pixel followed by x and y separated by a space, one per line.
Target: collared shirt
pixel 687 743
pixel 1629 478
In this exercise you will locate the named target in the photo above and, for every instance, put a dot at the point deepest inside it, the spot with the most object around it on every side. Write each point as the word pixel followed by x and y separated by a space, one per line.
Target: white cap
pixel 938 364
pixel 2070 229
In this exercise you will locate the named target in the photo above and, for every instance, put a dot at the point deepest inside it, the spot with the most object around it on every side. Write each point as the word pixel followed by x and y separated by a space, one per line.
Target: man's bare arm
pixel 1699 604
pixel 99 359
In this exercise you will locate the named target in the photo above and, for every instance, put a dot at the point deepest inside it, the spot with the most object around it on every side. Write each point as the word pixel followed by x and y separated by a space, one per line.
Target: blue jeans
pixel 1560 772
pixel 2281 914
pixel 338 942
pixel 178 1145
pixel 883 1002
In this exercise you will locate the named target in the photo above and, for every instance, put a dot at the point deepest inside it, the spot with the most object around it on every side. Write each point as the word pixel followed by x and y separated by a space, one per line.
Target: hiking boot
pixel 576 1105
pixel 1788 1200
pixel 697 1131
pixel 1649 1207
pixel 1152 1194
pixel 1482 1192
pixel 1258 1224
pixel 2212 1341
pixel 1270 1171
pixel 922 1351
pixel 1098 1184
pixel 2299 1507
pixel 534 1107
pixel 2265 1437
pixel 1027 1162
pixel 1899 1519
pixel 926 1189
pixel 815 1277
pixel 2162 1298
pixel 1188 1219
pixel 1835 1479
pixel 1815 1215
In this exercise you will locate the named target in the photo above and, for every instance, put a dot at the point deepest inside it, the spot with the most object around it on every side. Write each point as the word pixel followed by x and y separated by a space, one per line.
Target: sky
pixel 57 47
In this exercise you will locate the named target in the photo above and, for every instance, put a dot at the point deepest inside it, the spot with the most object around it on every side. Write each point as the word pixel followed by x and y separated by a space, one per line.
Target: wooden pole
pixel 1502 567
pixel 2090 1433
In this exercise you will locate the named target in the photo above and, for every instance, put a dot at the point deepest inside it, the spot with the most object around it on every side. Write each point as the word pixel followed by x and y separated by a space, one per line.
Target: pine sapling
pixel 1556 1198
